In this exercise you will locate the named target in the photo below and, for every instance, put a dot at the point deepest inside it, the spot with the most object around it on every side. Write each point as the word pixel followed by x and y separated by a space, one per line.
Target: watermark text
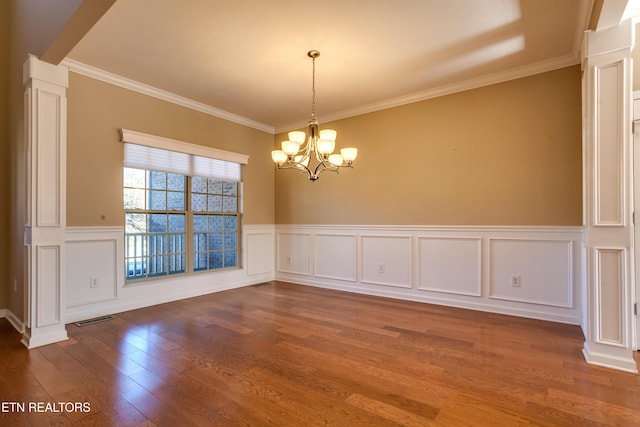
pixel 66 407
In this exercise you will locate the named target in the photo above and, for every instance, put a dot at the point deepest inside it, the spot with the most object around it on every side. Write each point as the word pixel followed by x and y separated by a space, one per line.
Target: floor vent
pixel 92 321
pixel 262 284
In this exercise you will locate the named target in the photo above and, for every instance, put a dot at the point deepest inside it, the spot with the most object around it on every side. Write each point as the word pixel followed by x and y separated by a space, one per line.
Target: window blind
pixel 144 151
pixel 143 157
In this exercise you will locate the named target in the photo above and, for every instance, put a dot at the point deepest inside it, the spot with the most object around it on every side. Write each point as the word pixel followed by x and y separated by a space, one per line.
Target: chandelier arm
pixel 295 165
pixel 319 157
pixel 325 166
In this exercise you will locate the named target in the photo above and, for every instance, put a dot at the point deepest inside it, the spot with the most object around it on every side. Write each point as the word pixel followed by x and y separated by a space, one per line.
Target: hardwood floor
pixel 289 355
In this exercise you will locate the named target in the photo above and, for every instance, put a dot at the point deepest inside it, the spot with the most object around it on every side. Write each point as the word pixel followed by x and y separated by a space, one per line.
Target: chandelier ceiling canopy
pixel 312 153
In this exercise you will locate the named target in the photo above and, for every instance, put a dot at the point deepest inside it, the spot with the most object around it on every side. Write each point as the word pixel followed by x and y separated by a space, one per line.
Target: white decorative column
pixel 608 197
pixel 45 110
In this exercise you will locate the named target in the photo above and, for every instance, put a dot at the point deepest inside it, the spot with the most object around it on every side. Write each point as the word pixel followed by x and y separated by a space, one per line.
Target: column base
pixel 607 356
pixel 32 338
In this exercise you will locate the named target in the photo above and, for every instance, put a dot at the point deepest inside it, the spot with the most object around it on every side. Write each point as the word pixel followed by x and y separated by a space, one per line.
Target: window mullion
pixel 189 228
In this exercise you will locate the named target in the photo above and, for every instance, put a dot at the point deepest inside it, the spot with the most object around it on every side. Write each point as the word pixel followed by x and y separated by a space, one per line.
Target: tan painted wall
pixel 507 154
pixel 96 111
pixel 5 155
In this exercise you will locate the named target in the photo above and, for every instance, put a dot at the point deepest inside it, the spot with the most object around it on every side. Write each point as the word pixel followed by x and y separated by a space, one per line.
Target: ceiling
pixel 249 58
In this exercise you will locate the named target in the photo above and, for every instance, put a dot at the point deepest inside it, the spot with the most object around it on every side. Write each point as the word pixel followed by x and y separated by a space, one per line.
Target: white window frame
pixel 151 152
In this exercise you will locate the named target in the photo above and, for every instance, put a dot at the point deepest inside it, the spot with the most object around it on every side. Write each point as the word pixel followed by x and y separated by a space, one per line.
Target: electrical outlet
pixel 288 260
pixel 381 268
pixel 93 282
pixel 515 281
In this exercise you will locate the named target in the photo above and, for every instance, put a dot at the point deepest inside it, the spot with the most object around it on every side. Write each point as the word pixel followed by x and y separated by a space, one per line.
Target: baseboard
pixel 449 302
pixel 13 320
pixel 117 306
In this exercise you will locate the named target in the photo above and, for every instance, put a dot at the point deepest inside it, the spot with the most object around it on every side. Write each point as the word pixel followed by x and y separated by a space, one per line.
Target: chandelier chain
pixel 313 89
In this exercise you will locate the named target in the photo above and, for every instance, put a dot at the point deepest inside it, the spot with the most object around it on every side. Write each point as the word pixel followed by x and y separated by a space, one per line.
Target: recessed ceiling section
pixel 250 59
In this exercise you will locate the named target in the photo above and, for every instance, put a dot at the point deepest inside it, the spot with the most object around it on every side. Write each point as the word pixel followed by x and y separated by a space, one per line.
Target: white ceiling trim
pixel 513 74
pixel 114 79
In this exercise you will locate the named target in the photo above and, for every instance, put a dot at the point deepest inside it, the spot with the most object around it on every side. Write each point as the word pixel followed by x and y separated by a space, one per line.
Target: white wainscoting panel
pixel 468 267
pixel 336 256
pixel 49 149
pixel 94 264
pixel 609 282
pixel 386 260
pixel 98 252
pixel 609 195
pixel 91 271
pixel 294 253
pixel 439 265
pixel 260 255
pixel 49 284
pixel 417 265
pixel 544 269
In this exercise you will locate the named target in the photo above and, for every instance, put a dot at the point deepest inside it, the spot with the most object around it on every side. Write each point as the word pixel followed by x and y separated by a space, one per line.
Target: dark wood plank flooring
pixel 290 355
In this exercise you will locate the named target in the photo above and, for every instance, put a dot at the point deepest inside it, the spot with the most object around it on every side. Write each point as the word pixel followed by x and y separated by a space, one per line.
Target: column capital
pixel 33 68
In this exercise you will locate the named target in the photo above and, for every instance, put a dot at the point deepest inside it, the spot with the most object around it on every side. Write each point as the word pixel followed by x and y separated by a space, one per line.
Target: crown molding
pixel 488 80
pixel 513 74
pixel 114 79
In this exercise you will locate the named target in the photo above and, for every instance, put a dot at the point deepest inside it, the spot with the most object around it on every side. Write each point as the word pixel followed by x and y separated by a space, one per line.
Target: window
pixel 155 223
pixel 215 223
pixel 182 211
pixel 166 213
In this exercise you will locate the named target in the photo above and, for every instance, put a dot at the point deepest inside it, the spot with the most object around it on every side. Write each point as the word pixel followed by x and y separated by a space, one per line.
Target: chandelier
pixel 316 154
